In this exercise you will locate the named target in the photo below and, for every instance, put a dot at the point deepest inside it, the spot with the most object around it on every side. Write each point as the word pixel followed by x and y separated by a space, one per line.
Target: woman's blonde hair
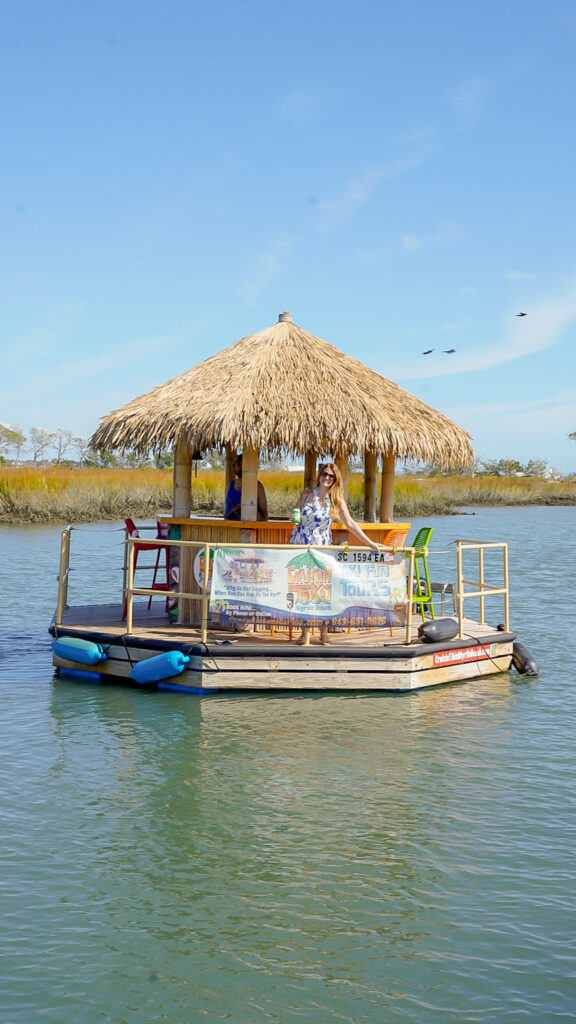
pixel 336 489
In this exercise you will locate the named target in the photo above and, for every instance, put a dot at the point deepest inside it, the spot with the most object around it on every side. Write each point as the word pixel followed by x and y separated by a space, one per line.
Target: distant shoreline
pixel 60 496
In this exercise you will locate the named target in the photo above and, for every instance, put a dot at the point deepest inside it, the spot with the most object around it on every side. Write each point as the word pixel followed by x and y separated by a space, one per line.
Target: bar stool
pixel 163 587
pixel 423 595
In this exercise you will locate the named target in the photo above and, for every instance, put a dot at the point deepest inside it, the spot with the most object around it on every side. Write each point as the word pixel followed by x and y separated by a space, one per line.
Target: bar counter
pixel 273 531
pixel 277 531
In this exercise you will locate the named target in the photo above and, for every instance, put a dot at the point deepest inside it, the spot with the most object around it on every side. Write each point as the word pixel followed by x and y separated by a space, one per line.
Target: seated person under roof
pixel 233 509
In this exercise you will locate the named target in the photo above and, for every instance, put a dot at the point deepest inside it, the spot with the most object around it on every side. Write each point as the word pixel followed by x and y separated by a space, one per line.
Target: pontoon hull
pixel 230 666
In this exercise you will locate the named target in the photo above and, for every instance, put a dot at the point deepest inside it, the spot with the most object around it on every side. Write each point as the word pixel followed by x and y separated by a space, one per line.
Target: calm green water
pixel 291 859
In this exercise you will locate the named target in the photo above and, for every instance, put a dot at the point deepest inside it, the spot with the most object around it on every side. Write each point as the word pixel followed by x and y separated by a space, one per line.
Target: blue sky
pixel 400 176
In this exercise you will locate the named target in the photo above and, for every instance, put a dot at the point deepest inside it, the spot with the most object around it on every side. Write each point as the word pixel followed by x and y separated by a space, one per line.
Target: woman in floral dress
pixel 318 508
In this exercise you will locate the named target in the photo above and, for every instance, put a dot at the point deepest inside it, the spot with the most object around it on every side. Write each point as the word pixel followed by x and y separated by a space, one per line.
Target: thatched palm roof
pixel 285 390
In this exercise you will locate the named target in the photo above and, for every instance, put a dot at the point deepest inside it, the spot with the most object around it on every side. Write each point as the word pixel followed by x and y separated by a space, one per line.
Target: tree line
pixel 56 448
pixel 63 448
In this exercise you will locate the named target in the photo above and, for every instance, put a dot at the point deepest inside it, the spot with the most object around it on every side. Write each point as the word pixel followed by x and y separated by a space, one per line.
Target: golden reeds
pixel 90 495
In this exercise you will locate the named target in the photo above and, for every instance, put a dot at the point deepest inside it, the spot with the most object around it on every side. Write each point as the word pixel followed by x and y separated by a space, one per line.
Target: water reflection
pixel 329 848
pixel 244 785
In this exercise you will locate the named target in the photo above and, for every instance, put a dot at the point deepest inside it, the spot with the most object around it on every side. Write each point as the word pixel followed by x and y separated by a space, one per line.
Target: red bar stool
pixel 163 587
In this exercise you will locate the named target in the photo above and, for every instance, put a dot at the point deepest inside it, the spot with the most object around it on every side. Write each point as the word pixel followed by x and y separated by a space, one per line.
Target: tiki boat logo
pixel 309 581
pixel 246 567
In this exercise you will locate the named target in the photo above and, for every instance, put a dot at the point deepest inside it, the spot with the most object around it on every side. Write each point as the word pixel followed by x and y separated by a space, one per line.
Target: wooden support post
pixel 230 456
pixel 182 481
pixel 63 575
pixel 342 462
pixel 387 488
pixel 370 487
pixel 310 470
pixel 249 511
pixel 125 564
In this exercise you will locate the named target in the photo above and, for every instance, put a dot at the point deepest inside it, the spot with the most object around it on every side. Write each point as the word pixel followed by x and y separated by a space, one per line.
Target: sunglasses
pixel 329 476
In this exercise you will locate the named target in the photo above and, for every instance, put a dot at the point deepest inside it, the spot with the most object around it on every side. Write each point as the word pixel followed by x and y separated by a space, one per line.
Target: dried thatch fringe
pixel 284 390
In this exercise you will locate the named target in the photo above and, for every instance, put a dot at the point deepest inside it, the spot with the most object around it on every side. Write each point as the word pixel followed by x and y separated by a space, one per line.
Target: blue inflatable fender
pixel 152 670
pixel 72 648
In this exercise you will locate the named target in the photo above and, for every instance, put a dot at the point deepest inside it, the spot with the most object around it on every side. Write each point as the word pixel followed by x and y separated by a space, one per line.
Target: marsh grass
pixel 81 495
pixel 496 490
pixel 58 495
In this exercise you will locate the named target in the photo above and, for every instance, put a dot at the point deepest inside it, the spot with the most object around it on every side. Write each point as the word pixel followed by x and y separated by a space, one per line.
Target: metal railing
pixel 204 594
pixel 482 590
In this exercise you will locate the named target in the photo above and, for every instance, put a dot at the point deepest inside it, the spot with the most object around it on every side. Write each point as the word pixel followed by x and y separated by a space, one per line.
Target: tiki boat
pixel 231 605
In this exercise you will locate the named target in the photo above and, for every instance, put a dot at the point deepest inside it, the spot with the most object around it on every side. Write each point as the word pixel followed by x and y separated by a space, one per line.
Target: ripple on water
pixel 273 859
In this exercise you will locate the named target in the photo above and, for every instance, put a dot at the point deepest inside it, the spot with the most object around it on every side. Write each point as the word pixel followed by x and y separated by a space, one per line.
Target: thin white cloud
pixel 524 429
pixel 139 364
pixel 520 275
pixel 264 268
pixel 359 190
pixel 412 243
pixel 469 97
pixel 65 376
pixel 535 431
pixel 302 106
pixel 539 330
pixel 445 233
pixel 37 342
pixel 563 399
pixel 215 173
pixel 416 136
pixel 368 257
pixel 424 334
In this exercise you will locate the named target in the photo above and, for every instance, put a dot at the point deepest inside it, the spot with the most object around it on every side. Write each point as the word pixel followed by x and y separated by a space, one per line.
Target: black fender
pixel 523 661
pixel 438 630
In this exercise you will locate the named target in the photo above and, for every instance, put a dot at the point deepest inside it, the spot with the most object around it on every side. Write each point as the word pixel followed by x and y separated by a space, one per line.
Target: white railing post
pixel 460 585
pixel 481 583
pixel 409 606
pixel 506 594
pixel 205 593
pixel 482 589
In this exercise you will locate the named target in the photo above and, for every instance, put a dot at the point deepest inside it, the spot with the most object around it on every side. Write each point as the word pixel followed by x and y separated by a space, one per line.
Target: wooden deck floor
pixel 152 625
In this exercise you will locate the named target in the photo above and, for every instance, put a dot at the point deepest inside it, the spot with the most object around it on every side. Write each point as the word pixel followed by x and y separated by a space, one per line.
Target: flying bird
pixel 449 351
pixel 521 314
pixel 428 351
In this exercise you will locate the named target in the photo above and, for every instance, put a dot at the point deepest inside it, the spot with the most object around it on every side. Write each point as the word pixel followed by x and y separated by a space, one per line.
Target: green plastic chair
pixel 421 595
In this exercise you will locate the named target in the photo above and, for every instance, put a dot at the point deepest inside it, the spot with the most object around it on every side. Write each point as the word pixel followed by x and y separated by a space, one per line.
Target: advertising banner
pixel 461 655
pixel 306 586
